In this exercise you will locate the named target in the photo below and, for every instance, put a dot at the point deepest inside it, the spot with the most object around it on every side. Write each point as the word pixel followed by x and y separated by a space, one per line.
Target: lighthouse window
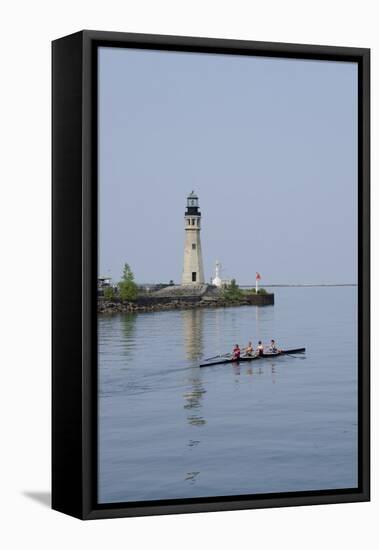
pixel 193 246
pixel 193 221
pixel 193 276
pixel 189 222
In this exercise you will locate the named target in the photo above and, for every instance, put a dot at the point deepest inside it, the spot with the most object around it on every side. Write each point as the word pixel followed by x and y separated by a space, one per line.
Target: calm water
pixel 168 429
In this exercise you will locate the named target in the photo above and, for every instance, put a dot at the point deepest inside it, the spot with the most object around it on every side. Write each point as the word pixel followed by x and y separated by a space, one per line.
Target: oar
pixel 216 357
pixel 294 356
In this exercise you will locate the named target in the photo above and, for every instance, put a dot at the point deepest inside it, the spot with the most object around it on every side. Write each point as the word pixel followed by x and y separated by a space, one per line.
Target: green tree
pixel 127 286
pixel 232 292
pixel 109 293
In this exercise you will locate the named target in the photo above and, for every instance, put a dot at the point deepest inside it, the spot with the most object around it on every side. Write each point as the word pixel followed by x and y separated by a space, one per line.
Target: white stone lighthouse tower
pixel 193 271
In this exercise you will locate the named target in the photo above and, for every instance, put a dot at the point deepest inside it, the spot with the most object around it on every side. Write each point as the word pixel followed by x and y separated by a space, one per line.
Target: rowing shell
pixel 254 357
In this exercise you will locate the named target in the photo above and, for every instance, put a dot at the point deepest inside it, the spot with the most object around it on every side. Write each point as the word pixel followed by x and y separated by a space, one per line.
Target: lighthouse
pixel 193 271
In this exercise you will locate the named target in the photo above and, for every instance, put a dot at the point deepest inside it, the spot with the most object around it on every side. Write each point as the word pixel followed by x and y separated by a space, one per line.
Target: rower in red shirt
pixel 236 352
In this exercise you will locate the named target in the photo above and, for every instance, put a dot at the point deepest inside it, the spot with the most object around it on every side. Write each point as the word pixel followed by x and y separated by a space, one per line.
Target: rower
pixel 272 347
pixel 260 348
pixel 249 350
pixel 236 352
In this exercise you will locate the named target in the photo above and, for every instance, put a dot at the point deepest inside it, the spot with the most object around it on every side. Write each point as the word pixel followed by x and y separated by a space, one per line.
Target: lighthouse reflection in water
pixel 169 430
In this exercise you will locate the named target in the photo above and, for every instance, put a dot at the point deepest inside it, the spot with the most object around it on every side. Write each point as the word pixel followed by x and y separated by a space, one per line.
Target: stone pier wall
pixel 161 303
pixel 261 299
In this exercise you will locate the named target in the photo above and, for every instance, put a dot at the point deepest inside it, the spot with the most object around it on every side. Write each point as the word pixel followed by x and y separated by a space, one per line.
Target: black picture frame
pixel 74 272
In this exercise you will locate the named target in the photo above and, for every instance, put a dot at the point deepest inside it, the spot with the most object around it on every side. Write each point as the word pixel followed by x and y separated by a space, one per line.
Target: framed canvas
pixel 210 275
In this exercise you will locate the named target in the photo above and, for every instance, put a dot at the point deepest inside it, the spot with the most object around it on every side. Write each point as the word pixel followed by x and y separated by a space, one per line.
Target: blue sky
pixel 268 144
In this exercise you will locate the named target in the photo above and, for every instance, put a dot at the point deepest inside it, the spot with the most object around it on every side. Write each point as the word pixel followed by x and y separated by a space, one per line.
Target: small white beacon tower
pixel 217 281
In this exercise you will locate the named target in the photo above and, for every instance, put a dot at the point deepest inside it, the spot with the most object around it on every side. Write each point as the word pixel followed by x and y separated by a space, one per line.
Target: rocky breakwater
pixel 183 297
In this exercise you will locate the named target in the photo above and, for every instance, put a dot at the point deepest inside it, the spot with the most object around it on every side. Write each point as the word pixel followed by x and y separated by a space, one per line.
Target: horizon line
pixel 303 284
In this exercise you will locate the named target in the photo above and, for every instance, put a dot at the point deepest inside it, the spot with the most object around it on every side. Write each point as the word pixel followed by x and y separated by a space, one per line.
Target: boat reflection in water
pixel 253 372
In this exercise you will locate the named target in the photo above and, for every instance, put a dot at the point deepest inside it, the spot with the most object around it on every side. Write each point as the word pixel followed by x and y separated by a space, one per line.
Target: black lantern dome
pixel 192 205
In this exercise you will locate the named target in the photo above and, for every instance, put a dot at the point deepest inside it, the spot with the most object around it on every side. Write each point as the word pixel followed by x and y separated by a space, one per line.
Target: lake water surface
pixel 168 429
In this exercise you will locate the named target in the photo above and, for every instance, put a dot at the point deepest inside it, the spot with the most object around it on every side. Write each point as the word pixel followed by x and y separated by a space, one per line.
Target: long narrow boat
pixel 226 361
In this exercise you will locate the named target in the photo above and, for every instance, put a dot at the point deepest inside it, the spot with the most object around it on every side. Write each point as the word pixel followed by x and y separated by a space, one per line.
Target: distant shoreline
pixel 301 285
